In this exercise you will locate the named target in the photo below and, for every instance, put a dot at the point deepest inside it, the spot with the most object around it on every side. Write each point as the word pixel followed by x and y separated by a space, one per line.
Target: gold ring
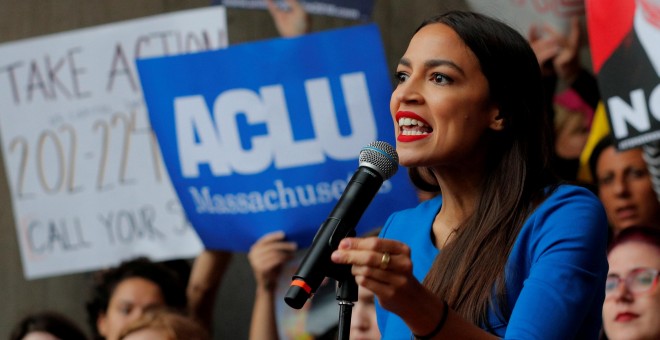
pixel 385 261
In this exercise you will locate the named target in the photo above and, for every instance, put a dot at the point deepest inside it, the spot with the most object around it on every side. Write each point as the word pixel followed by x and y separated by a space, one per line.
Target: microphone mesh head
pixel 381 157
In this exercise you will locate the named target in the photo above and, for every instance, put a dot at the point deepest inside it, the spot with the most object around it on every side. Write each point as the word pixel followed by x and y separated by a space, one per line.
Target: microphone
pixel 378 162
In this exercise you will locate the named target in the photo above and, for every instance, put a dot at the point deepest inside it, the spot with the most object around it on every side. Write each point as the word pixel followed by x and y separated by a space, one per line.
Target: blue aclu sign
pixel 265 136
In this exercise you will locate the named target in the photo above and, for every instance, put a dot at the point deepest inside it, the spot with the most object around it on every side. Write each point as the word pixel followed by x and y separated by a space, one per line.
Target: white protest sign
pixel 526 14
pixel 87 181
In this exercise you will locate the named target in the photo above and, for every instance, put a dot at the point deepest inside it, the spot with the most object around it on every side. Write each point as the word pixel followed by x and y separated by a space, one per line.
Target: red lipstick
pixel 625 317
pixel 411 133
pixel 409 114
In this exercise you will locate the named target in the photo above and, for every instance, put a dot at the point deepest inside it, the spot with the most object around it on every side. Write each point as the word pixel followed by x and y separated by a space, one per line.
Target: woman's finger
pixel 375 244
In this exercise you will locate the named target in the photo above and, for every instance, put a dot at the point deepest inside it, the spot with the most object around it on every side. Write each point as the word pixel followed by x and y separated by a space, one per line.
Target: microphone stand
pixel 347 294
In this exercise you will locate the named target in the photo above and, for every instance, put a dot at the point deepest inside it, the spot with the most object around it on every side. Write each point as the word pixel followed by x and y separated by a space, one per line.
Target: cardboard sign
pixel 88 185
pixel 524 15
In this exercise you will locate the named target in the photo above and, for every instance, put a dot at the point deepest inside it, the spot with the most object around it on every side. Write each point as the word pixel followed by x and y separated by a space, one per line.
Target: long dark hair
pixel 54 323
pixel 517 171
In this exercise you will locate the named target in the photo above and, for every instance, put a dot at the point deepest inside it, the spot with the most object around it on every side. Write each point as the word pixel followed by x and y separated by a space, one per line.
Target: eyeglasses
pixel 639 280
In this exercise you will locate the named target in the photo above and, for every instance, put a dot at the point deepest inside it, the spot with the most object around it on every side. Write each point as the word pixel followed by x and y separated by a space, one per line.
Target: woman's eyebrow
pixel 443 62
pixel 434 63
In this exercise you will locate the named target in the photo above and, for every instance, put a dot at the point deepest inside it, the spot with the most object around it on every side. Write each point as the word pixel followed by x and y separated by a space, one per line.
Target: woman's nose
pixel 623 293
pixel 409 92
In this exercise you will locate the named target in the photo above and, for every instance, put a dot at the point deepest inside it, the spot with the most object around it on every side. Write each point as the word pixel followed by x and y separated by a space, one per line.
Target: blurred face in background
pixel 632 306
pixel 128 302
pixel 363 320
pixel 625 188
pixel 571 132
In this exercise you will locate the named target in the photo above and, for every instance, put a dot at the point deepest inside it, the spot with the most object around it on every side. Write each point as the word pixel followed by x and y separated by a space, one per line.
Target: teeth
pixel 412 127
pixel 410 122
pixel 413 133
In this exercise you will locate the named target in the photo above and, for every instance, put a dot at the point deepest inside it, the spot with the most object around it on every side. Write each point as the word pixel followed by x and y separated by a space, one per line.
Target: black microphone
pixel 378 162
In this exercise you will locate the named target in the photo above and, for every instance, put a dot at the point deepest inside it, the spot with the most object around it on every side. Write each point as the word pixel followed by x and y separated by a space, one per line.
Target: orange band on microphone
pixel 302 284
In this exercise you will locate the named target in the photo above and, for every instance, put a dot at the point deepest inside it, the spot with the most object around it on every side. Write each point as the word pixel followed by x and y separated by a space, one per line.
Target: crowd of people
pixel 506 242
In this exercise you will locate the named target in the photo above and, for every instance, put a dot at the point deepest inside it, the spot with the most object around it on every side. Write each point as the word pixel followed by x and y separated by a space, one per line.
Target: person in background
pixel 571 124
pixel 558 56
pixel 624 186
pixel 123 293
pixel 632 300
pixel 164 324
pixel 505 250
pixel 46 325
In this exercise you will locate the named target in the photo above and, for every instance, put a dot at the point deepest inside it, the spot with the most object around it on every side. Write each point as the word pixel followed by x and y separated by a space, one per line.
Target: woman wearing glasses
pixel 632 299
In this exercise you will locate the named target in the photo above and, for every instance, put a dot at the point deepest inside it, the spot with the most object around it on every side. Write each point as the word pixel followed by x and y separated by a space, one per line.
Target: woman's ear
pixel 496 121
pixel 101 324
